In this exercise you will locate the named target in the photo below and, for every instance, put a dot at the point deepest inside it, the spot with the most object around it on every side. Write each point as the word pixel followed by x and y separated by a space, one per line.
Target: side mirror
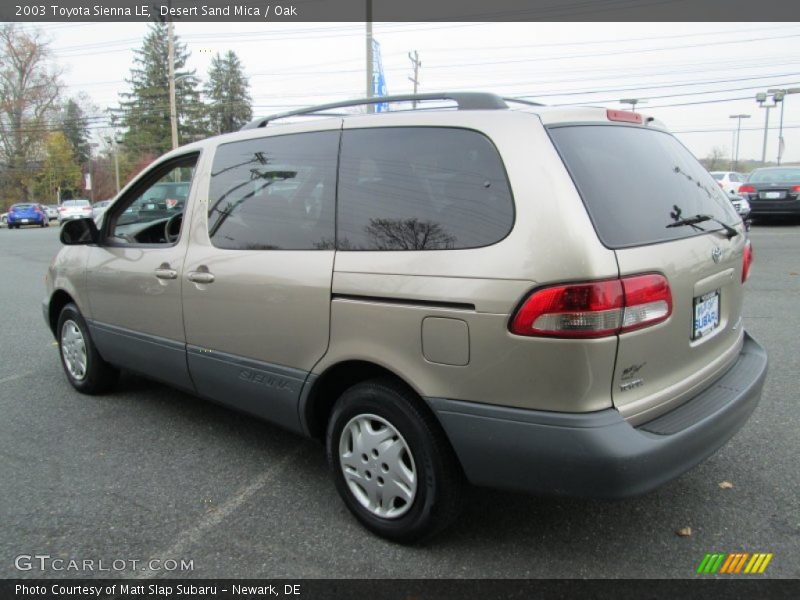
pixel 79 232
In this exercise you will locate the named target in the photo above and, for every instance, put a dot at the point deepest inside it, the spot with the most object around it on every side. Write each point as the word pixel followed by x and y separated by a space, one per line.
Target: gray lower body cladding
pixel 599 454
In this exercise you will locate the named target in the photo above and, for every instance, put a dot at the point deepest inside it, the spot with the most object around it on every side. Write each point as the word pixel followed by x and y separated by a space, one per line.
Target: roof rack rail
pixel 464 100
pixel 521 101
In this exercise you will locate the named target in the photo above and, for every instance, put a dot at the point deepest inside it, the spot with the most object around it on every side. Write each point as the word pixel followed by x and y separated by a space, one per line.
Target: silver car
pixel 544 299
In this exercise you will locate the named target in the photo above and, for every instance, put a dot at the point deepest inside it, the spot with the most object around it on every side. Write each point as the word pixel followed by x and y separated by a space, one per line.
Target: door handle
pixel 201 277
pixel 165 272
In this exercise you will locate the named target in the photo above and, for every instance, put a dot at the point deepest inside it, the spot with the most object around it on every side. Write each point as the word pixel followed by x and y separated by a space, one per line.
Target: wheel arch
pixel 320 393
pixel 58 301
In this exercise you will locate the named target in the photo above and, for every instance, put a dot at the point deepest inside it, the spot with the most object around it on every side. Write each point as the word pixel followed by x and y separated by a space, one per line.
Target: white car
pixel 729 181
pixel 99 208
pixel 74 209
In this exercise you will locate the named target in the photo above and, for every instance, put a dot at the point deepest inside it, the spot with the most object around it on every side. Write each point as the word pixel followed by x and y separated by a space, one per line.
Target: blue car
pixel 26 214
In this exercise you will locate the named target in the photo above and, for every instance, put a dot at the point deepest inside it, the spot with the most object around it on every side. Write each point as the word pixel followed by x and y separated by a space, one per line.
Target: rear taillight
pixel 595 309
pixel 747 260
pixel 795 189
pixel 747 189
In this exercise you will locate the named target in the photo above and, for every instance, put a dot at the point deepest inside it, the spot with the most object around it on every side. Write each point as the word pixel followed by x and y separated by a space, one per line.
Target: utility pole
pixel 370 58
pixel 415 80
pixel 116 160
pixel 738 133
pixel 173 113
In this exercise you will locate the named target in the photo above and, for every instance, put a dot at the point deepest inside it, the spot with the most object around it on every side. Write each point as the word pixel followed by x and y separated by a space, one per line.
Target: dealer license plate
pixel 706 314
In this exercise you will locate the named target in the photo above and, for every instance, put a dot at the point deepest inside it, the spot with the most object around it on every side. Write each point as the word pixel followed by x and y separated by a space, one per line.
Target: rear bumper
pixel 774 207
pixel 599 454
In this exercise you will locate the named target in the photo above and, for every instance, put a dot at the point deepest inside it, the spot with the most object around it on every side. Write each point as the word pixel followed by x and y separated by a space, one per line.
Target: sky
pixel 692 76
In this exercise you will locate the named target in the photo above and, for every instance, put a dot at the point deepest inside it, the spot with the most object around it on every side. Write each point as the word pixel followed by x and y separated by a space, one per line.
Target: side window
pixel 421 188
pixel 274 193
pixel 154 214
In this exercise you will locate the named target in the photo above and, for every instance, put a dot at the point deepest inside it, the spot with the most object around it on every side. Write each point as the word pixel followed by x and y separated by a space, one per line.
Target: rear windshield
pixel 22 207
pixel 774 176
pixel 76 203
pixel 718 176
pixel 636 181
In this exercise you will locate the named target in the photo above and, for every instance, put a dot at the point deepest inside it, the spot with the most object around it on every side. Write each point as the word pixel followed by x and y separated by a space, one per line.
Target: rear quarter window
pixel 421 188
pixel 631 180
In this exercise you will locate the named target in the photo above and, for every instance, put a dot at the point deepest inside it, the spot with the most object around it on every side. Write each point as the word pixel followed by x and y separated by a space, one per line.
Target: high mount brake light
pixel 594 309
pixel 624 116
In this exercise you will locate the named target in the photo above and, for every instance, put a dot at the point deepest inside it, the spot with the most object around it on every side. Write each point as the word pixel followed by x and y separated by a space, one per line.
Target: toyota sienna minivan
pixel 539 299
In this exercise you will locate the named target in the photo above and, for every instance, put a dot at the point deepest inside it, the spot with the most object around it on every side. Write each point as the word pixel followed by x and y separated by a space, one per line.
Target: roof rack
pixel 521 101
pixel 464 100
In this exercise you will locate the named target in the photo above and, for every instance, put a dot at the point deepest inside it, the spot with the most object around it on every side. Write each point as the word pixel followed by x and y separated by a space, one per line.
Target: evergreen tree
pixel 76 129
pixel 144 111
pixel 227 93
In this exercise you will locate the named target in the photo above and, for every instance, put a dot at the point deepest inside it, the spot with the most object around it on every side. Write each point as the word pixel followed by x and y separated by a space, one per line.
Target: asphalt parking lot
pixel 147 472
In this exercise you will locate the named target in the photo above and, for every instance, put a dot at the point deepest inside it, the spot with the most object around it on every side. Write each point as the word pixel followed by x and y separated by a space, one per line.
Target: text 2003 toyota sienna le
pixel 540 299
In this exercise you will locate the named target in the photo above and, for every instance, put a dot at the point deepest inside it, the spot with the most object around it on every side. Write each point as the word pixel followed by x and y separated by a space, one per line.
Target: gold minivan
pixel 541 299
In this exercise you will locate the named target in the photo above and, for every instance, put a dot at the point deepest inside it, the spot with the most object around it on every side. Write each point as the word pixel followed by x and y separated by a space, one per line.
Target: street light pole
pixel 738 134
pixel 779 96
pixel 761 98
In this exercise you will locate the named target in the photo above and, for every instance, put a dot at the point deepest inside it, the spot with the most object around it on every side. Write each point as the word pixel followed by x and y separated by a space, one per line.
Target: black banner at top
pixel 398 10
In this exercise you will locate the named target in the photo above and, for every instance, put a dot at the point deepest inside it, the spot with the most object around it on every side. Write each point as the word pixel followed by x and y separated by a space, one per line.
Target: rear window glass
pixel 774 175
pixel 22 206
pixel 421 188
pixel 635 181
pixel 76 203
pixel 718 176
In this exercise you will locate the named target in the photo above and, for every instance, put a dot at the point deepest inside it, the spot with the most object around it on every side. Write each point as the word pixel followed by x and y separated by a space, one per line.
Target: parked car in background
pixel 27 213
pixel 742 207
pixel 773 192
pixel 51 210
pixel 74 209
pixel 729 181
pixel 98 208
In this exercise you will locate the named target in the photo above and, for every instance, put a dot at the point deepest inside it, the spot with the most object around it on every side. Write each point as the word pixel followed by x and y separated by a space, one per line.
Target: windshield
pixel 636 181
pixel 718 176
pixel 22 207
pixel 76 203
pixel 774 175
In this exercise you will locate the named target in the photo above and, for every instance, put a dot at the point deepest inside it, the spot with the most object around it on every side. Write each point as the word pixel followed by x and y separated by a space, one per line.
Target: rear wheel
pixel 84 367
pixel 391 462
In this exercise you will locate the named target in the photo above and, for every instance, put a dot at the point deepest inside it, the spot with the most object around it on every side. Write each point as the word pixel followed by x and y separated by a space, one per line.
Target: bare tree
pixel 715 161
pixel 29 89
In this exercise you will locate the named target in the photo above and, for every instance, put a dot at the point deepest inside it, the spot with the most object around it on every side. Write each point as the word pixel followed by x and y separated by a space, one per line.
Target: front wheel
pixel 391 462
pixel 84 367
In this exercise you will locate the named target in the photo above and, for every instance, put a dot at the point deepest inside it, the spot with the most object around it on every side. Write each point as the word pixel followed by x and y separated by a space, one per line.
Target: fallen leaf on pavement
pixel 726 485
pixel 684 531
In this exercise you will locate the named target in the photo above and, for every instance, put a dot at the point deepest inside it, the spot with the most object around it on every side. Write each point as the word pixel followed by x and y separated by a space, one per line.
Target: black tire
pixel 99 376
pixel 439 479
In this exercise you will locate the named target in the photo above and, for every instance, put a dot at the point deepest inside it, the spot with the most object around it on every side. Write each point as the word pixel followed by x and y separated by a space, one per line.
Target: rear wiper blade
pixel 693 222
